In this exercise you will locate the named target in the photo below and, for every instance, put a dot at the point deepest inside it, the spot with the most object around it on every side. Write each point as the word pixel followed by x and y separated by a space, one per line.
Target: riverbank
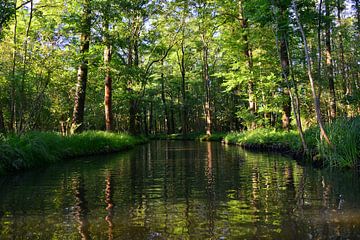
pixel 343 133
pixel 37 149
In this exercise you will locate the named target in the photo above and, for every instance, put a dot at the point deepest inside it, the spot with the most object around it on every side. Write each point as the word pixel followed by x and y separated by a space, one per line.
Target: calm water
pixel 181 190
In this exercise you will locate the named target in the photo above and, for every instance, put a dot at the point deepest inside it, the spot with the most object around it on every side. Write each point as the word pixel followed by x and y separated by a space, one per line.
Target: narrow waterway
pixel 181 190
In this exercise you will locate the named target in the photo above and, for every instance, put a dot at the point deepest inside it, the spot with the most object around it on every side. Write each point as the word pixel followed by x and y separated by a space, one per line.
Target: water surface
pixel 181 190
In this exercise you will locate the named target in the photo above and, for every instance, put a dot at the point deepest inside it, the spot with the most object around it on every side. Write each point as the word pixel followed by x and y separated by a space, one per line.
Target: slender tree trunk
pixel 341 47
pixel 329 64
pixel 286 66
pixel 151 119
pixel 145 121
pixel 286 118
pixel 108 79
pixel 133 59
pixel 13 84
pixel 206 79
pixel 22 85
pixel 319 48
pixel 248 55
pixel 132 109
pixel 172 118
pixel 309 73
pixel 296 106
pixel 2 123
pixel 82 75
pixel 282 20
pixel 163 99
pixel 183 91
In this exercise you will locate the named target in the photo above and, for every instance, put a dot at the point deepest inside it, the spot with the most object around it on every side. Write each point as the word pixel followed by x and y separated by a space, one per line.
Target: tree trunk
pixel 206 79
pixel 309 73
pixel 329 64
pixel 286 66
pixel 183 91
pixel 2 123
pixel 151 119
pixel 163 99
pixel 319 48
pixel 172 119
pixel 133 60
pixel 108 80
pixel 22 86
pixel 146 123
pixel 132 120
pixel 82 75
pixel 13 84
pixel 248 54
pixel 286 117
pixel 346 90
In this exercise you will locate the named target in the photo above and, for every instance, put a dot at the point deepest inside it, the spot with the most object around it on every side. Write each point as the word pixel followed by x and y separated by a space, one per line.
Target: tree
pixel 82 75
pixel 309 73
pixel 107 61
pixel 329 61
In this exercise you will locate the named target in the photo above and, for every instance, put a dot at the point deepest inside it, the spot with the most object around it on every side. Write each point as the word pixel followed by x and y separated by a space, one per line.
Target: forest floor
pixel 38 149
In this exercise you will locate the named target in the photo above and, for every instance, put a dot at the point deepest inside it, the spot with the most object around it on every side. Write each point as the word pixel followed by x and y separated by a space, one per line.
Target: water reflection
pixel 109 204
pixel 80 209
pixel 181 190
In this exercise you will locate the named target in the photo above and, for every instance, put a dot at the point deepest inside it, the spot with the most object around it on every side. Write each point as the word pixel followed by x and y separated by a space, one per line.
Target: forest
pixel 151 67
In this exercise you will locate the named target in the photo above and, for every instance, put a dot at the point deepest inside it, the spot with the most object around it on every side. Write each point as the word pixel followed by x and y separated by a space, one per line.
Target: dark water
pixel 181 190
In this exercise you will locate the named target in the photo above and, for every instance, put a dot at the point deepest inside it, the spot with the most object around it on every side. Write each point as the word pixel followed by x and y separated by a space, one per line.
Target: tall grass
pixel 344 135
pixel 40 148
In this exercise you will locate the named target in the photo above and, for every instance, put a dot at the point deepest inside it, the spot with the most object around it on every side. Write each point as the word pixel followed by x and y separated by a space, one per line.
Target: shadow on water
pixel 181 190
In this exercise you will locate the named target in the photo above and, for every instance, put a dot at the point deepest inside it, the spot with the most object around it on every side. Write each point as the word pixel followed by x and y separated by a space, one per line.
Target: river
pixel 181 190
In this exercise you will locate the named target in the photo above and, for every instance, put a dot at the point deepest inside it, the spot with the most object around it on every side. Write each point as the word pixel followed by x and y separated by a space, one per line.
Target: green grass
pixel 344 135
pixel 36 149
pixel 263 138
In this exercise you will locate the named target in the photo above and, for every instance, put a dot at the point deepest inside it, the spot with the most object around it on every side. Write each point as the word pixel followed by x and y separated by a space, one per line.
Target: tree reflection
pixel 109 204
pixel 210 189
pixel 81 209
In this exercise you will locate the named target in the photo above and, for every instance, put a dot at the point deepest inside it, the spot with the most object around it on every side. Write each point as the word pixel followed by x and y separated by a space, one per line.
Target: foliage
pixel 157 68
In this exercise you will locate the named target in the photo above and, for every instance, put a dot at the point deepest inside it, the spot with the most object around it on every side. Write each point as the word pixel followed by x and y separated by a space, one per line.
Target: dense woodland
pixel 175 66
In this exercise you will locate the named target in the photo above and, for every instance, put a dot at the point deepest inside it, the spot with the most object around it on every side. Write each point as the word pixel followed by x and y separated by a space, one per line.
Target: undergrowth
pixel 36 149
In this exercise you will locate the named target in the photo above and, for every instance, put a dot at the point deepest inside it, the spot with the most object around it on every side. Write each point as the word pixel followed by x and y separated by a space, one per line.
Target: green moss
pixel 36 149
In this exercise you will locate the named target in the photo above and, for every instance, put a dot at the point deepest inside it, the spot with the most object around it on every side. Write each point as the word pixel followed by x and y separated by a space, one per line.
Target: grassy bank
pixel 343 133
pixel 37 149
